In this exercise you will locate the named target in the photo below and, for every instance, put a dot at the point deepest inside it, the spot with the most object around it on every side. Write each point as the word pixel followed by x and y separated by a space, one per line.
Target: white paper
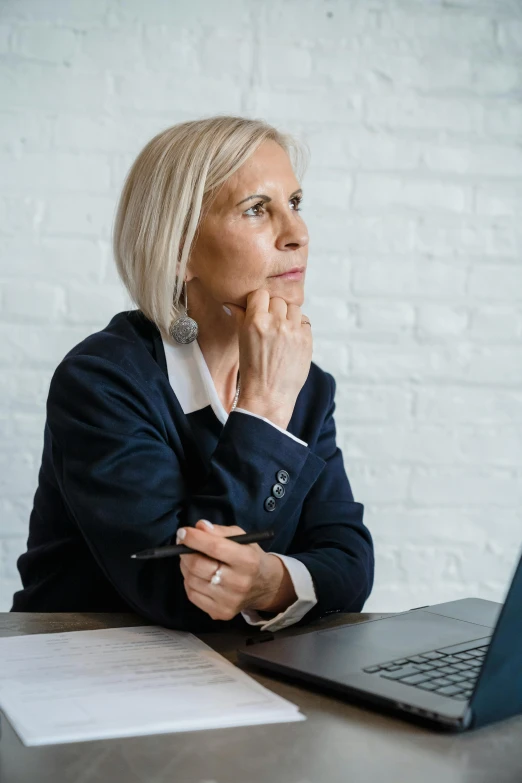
pixel 119 682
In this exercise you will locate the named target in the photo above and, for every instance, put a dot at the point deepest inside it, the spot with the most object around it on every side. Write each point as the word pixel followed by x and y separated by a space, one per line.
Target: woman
pixel 166 426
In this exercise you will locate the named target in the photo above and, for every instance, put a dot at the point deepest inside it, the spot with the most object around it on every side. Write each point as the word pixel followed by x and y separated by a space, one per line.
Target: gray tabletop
pixel 337 742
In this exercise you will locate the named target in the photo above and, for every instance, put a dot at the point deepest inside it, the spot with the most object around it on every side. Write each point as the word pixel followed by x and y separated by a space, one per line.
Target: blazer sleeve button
pixel 282 476
pixel 270 504
pixel 278 490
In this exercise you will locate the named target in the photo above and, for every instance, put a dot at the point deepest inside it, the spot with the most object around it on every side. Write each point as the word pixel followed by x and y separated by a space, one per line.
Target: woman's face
pixel 252 232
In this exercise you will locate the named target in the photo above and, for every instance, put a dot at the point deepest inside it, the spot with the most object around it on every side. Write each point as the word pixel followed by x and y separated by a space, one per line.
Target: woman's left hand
pixel 250 577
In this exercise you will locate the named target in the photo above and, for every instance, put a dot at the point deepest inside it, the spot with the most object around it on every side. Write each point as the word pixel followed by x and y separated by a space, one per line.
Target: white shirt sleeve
pixel 243 410
pixel 306 598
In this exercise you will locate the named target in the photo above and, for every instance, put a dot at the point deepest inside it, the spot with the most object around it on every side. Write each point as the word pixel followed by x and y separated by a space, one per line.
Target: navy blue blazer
pixel 123 466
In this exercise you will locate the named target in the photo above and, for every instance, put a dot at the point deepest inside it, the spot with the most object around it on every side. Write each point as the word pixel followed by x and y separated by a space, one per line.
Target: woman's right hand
pixel 275 353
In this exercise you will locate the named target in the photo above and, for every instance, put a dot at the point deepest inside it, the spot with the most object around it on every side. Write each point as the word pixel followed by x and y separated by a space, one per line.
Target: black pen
pixel 181 549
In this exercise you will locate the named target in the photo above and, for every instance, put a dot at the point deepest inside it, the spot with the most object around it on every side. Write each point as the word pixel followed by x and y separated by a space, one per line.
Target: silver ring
pixel 306 322
pixel 216 579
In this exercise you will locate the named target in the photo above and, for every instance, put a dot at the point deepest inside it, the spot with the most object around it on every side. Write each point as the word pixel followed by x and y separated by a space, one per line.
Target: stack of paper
pixel 118 682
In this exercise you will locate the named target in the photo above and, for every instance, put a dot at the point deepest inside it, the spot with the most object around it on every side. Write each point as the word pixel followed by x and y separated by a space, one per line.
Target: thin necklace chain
pixel 237 394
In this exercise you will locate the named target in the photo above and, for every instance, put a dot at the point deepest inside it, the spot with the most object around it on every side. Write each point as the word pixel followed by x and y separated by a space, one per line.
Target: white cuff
pixel 244 410
pixel 306 598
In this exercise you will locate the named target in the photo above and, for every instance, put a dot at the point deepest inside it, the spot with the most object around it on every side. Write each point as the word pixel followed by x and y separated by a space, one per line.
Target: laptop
pixel 453 666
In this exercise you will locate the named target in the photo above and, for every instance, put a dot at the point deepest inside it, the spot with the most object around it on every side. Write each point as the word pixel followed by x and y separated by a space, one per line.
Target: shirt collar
pixel 190 378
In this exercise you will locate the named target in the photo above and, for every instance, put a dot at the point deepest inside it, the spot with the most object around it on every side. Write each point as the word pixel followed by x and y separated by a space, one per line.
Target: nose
pixel 293 235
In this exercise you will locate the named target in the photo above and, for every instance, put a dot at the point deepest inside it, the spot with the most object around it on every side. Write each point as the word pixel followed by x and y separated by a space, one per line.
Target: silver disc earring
pixel 184 329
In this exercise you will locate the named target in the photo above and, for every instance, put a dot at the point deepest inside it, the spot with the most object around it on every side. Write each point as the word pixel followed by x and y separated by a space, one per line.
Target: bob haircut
pixel 166 194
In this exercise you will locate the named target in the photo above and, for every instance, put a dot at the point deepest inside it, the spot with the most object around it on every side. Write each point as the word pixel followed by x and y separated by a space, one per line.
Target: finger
pixel 205 524
pixel 216 608
pixel 204 601
pixel 235 311
pixel 225 531
pixel 206 587
pixel 294 314
pixel 278 307
pixel 218 548
pixel 258 299
pixel 233 580
pixel 257 303
pixel 184 567
pixel 199 565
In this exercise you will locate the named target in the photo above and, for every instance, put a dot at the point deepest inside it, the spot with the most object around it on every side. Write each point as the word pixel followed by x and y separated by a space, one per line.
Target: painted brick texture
pixel 412 112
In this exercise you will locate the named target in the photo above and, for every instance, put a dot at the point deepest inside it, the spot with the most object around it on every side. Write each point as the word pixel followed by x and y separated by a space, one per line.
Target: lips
pixel 289 271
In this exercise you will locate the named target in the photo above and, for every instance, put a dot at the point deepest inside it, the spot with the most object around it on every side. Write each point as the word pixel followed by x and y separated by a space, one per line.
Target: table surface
pixel 337 742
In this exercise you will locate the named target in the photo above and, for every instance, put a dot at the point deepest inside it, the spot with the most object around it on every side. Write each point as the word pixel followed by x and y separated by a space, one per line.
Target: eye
pixel 296 201
pixel 255 206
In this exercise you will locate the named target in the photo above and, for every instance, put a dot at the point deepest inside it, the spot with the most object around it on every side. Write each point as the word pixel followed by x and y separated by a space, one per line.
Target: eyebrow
pixel 267 198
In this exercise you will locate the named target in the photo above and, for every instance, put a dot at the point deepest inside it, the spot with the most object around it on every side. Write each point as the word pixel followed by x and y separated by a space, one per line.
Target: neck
pixel 217 338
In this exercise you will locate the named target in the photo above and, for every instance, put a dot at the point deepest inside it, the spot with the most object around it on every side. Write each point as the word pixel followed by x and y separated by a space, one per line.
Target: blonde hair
pixel 166 192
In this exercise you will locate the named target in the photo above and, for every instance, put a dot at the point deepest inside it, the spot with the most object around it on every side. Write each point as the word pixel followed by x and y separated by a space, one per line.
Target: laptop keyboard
pixel 446 673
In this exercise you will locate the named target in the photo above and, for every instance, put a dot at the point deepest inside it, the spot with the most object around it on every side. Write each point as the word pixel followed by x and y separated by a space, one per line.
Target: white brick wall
pixel 413 115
